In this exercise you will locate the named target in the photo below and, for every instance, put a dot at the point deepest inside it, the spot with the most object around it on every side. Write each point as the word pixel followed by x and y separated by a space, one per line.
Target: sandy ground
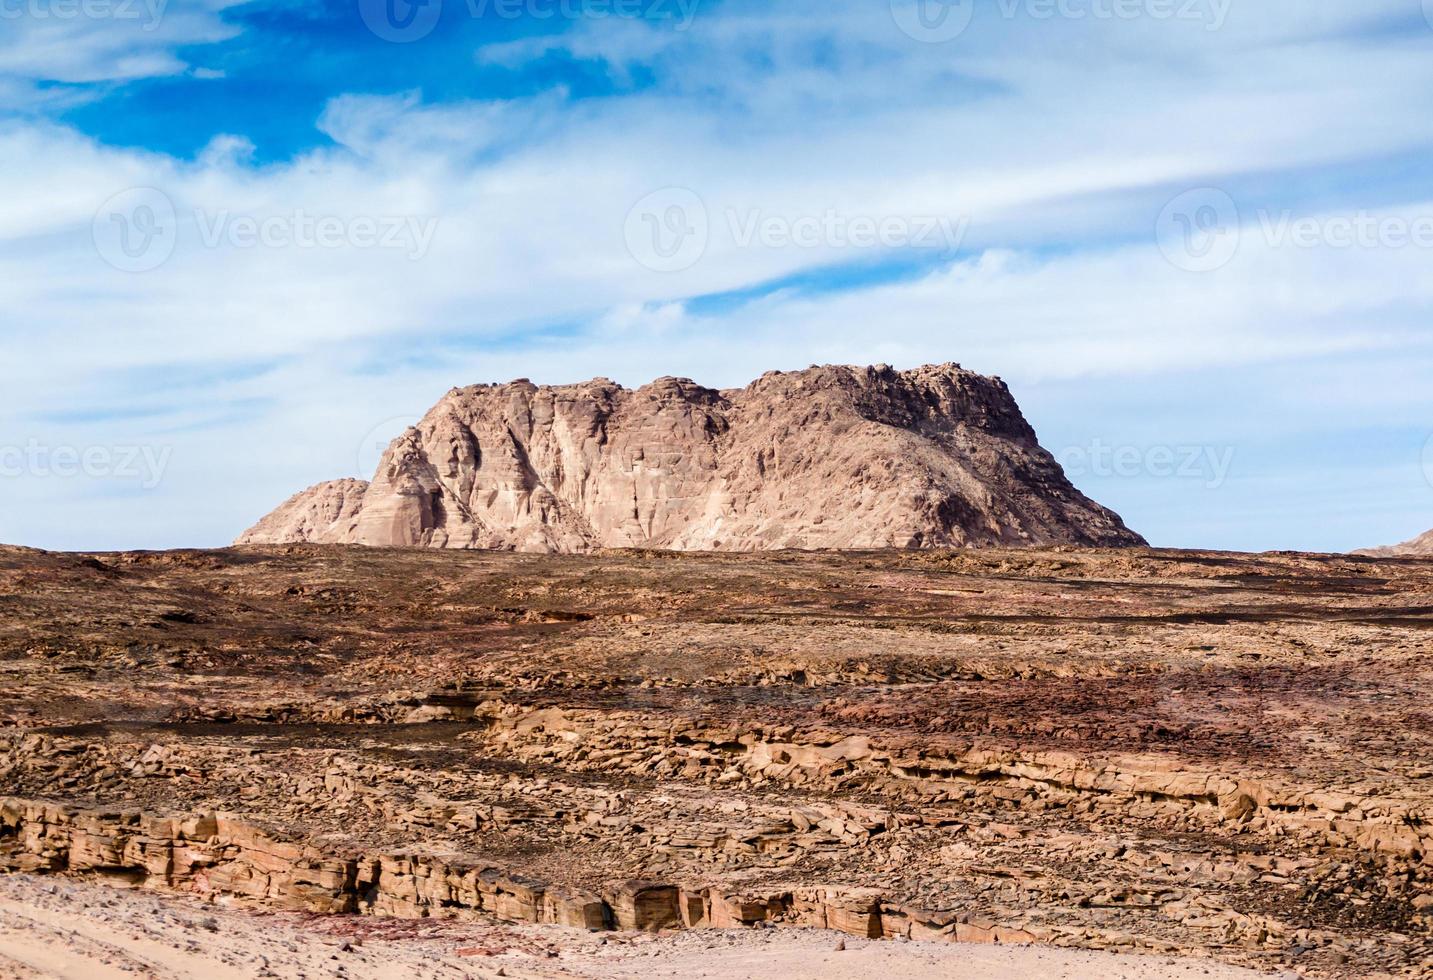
pixel 56 927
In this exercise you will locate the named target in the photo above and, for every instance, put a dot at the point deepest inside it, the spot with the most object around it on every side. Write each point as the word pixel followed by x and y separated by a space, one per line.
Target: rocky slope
pixel 326 512
pixel 1419 547
pixel 830 457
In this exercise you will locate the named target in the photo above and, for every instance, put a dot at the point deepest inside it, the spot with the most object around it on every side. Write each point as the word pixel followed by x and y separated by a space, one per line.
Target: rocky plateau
pixel 831 457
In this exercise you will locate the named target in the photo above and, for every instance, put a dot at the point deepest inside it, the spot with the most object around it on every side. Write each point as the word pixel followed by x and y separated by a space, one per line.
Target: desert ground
pixel 80 930
pixel 975 761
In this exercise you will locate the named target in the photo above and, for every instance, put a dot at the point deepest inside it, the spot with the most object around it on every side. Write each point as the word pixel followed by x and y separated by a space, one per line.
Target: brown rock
pixel 644 905
pixel 831 457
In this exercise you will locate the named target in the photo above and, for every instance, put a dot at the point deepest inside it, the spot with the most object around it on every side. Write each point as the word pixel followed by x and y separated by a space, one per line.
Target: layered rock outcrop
pixel 831 457
pixel 212 854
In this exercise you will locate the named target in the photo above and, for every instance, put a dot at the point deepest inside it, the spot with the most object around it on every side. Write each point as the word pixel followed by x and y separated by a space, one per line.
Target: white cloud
pixel 1037 133
pixel 90 41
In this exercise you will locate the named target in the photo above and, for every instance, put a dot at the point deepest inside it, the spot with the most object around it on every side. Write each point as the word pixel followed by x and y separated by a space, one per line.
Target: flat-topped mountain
pixel 1419 547
pixel 831 457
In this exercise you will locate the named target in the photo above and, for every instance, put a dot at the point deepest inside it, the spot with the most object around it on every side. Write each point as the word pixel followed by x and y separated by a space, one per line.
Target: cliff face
pixel 831 457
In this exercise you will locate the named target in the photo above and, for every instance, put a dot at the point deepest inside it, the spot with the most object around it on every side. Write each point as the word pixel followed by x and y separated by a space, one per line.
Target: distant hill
pixel 1419 546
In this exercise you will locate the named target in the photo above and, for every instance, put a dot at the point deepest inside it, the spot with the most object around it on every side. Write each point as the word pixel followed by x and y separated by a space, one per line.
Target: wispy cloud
pixel 90 42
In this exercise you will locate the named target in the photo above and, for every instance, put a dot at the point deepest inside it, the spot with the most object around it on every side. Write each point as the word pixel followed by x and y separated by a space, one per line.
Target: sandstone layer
pixel 1169 752
pixel 831 457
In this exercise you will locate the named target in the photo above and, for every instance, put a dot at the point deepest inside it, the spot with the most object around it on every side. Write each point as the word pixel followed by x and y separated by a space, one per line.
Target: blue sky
pixel 245 241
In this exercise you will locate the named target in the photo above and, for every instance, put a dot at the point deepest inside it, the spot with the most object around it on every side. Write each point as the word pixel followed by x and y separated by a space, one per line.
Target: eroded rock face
pixel 212 854
pixel 831 457
pixel 1419 547
pixel 325 512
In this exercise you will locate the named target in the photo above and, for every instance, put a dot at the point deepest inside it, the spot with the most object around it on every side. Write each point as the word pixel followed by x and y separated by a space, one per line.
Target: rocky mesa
pixel 832 457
